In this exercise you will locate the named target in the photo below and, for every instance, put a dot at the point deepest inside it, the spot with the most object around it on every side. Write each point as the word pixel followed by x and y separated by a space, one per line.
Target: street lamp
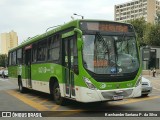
pixel 79 15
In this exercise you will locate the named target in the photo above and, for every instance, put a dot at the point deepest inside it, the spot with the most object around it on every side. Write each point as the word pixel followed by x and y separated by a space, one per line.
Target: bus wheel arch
pixel 55 91
pixel 52 81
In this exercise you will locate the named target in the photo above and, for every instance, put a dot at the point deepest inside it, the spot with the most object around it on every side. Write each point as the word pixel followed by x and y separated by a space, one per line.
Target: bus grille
pixel 110 94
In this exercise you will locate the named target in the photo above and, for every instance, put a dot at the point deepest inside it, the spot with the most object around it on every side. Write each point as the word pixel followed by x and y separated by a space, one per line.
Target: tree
pixel 3 60
pixel 140 26
pixel 147 33
pixel 154 35
pixel 157 18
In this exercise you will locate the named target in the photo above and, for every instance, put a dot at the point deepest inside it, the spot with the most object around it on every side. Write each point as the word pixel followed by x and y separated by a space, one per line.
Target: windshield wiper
pixel 100 38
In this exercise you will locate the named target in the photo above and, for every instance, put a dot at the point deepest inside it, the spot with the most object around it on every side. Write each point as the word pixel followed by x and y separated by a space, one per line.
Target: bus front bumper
pixel 88 95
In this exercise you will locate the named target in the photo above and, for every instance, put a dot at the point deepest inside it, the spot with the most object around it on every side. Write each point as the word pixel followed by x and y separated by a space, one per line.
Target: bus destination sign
pixel 106 26
pixel 113 28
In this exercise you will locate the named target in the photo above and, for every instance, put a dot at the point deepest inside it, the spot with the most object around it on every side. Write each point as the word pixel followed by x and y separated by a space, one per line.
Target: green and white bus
pixel 83 60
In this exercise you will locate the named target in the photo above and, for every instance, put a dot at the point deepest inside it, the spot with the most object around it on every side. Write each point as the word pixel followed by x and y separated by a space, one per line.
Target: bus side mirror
pixel 80 43
pixel 79 40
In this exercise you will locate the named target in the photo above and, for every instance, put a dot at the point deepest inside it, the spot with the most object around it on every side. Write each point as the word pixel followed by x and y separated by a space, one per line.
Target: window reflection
pixel 110 54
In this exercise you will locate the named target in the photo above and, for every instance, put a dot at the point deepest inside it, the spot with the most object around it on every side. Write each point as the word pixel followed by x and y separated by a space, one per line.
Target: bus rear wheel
pixel 57 95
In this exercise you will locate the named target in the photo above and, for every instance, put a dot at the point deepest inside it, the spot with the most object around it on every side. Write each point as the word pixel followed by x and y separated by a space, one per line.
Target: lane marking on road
pixel 34 98
pixel 27 101
pixel 30 96
pixel 43 101
pixel 134 100
pixel 55 108
pixel 41 107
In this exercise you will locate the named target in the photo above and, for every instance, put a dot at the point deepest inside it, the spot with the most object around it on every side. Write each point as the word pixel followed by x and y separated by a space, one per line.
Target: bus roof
pixel 73 23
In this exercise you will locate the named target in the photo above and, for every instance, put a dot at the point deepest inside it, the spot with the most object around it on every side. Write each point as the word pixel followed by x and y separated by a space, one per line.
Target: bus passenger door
pixel 28 68
pixel 70 58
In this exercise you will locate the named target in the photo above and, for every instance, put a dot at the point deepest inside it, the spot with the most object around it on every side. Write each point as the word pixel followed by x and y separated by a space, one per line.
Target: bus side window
pixel 10 58
pixel 54 48
pixel 14 58
pixel 24 55
pixel 49 48
pixel 34 53
pixel 42 48
pixel 19 56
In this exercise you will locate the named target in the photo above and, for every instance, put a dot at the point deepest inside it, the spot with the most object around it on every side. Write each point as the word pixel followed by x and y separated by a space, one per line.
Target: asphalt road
pixel 12 100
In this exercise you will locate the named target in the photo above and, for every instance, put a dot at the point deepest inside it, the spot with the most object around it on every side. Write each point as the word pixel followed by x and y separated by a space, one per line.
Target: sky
pixel 32 17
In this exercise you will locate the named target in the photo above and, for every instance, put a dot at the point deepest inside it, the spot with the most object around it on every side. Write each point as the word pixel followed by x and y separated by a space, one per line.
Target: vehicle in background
pixel 146 87
pixel 4 73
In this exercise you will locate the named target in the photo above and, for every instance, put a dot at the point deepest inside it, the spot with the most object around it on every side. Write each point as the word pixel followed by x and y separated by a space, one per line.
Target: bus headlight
pixel 89 83
pixel 139 80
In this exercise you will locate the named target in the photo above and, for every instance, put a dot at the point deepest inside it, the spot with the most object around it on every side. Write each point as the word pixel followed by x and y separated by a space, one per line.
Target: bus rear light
pixel 89 83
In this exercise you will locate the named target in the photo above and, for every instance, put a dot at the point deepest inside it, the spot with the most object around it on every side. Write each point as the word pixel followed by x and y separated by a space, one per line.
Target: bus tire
pixel 144 95
pixel 20 86
pixel 57 95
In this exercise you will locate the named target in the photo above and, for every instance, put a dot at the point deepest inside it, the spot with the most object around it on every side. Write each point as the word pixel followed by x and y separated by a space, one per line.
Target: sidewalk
pixel 150 77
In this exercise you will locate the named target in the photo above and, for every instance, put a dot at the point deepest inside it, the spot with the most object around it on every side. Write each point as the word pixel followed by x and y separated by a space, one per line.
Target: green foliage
pixel 140 26
pixel 154 35
pixel 147 33
pixel 3 60
pixel 157 19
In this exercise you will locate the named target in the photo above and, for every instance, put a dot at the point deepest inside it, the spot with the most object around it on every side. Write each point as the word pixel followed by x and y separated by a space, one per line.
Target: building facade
pixel 8 41
pixel 136 9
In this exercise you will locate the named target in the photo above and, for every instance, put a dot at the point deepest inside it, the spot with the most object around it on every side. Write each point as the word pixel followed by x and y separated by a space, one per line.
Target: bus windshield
pixel 106 54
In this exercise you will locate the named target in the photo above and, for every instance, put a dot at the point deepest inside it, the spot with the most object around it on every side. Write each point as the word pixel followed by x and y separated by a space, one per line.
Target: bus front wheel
pixel 57 95
pixel 144 95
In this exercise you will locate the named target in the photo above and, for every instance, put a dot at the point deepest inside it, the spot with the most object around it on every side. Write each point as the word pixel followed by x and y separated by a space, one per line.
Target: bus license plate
pixel 118 97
